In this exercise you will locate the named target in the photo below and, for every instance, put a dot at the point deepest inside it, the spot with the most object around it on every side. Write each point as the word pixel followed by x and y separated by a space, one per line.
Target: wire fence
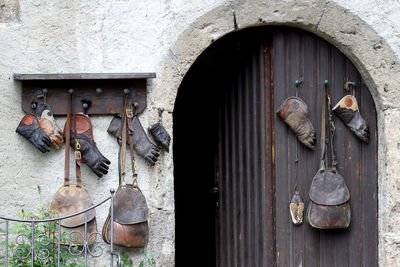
pixel 49 242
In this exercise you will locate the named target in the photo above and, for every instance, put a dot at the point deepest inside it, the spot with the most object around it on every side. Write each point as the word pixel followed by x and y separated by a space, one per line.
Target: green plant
pixel 149 261
pixel 45 240
pixel 127 262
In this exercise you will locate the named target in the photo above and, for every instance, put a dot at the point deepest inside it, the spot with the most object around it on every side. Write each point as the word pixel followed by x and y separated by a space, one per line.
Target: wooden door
pixel 262 161
pixel 251 161
pixel 300 55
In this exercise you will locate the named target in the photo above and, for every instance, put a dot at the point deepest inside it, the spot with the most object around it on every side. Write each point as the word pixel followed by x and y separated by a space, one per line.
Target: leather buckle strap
pixel 130 115
pixel 67 143
pixel 127 117
pixel 327 105
pixel 123 143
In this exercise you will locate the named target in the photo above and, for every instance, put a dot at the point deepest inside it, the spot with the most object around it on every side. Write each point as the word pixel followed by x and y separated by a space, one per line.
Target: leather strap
pixel 323 131
pixel 127 117
pixel 332 128
pixel 123 145
pixel 326 98
pixel 67 142
pixel 77 149
pixel 130 115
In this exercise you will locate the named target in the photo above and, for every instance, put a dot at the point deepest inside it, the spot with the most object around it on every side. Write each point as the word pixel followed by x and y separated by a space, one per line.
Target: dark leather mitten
pixel 90 153
pixel 294 112
pixel 141 143
pixel 30 129
pixel 160 135
pixel 347 110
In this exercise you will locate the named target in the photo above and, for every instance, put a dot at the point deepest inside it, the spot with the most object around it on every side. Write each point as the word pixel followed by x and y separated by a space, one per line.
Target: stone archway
pixel 352 36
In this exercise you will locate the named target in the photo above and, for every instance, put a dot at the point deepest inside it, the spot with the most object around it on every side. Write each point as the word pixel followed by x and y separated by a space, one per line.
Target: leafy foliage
pixel 19 247
pixel 127 262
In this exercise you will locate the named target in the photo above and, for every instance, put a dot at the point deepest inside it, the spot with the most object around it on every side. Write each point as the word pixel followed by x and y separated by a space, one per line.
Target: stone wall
pixel 38 36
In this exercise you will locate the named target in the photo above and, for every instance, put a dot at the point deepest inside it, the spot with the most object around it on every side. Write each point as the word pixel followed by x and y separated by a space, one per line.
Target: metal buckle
pixel 77 152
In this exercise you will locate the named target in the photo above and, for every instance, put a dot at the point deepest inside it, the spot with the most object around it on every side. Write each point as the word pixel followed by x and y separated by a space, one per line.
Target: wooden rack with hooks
pixel 104 90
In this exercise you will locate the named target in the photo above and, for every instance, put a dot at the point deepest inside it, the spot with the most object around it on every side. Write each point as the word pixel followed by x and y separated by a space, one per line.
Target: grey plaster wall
pixel 166 37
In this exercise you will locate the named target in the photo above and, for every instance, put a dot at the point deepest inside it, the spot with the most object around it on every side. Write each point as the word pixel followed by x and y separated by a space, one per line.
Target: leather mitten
pixel 294 112
pixel 160 135
pixel 89 151
pixel 347 110
pixel 141 143
pixel 49 126
pixel 30 129
pixel 296 208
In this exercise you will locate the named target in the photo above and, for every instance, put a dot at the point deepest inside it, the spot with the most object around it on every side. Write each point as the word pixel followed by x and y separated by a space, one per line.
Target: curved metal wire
pixel 55 219
pixel 96 250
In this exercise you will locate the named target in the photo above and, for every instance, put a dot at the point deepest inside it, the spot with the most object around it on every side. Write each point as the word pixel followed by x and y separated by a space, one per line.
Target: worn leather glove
pixel 160 135
pixel 141 143
pixel 49 127
pixel 30 129
pixel 89 151
pixel 294 112
pixel 347 110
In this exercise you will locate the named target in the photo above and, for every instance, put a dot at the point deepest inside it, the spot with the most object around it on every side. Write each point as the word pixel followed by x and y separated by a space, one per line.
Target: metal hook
pixel 135 105
pixel 298 83
pixel 86 104
pixel 44 95
pixel 347 85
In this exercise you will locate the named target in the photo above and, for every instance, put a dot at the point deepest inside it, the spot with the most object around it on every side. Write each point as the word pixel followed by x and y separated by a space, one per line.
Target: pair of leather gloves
pixel 42 131
pixel 295 114
pixel 40 128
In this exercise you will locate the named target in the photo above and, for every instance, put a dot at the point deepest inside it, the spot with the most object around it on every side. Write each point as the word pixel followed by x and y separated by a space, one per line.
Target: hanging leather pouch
pixel 130 207
pixel 72 198
pixel 329 206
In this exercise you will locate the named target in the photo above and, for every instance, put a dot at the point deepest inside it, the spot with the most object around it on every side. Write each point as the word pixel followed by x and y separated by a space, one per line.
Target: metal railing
pixel 74 249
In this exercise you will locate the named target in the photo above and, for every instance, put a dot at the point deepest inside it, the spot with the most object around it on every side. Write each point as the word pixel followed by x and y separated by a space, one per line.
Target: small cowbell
pixel 296 208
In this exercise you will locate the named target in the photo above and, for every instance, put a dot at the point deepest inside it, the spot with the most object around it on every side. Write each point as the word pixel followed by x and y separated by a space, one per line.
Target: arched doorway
pixel 237 164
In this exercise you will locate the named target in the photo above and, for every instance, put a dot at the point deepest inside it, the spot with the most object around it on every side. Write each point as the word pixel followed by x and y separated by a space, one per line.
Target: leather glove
pixel 49 127
pixel 30 129
pixel 141 143
pixel 347 110
pixel 89 151
pixel 160 135
pixel 294 112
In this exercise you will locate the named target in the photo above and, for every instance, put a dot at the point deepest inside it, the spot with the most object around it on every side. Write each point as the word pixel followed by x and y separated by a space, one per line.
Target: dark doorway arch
pixel 236 164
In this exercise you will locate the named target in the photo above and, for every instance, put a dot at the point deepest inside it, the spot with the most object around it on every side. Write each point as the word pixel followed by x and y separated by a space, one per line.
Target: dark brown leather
pixel 295 114
pixel 29 128
pixel 347 110
pixel 141 143
pixel 160 135
pixel 72 198
pixel 127 235
pixel 91 155
pixel 329 217
pixel 329 188
pixel 329 206
pixel 130 207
